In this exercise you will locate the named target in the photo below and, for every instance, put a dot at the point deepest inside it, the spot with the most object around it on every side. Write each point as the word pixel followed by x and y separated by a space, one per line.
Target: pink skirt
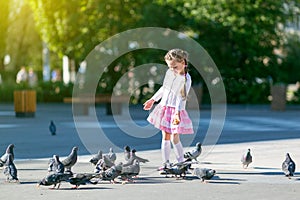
pixel 162 116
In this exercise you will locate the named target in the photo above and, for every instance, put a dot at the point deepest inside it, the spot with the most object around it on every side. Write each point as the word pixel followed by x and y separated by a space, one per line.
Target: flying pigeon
pixel 96 158
pixel 54 179
pixel 246 159
pixel 52 128
pixel 134 156
pixel 4 157
pixel 82 179
pixel 204 173
pixel 10 169
pixel 55 165
pixel 127 153
pixel 194 154
pixel 130 171
pixel 111 173
pixel 288 166
pixel 70 161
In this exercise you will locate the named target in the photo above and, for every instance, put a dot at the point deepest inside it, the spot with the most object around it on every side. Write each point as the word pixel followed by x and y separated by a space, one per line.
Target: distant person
pixel 22 75
pixel 32 78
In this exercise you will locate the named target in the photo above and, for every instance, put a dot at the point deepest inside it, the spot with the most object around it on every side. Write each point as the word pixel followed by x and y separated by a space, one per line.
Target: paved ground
pixel 269 134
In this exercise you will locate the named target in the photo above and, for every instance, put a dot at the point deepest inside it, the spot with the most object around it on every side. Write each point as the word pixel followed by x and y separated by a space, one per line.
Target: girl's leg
pixel 178 149
pixel 165 146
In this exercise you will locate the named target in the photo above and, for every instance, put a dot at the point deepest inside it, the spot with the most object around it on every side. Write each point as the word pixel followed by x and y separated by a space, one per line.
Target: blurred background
pixel 254 43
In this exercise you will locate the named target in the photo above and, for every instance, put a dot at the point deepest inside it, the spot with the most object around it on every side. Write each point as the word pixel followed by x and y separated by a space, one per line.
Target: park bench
pixel 84 102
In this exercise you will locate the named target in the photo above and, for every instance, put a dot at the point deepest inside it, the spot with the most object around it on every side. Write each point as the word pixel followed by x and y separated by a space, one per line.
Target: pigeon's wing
pixel 129 162
pixel 13 171
pixel 3 159
pixel 108 163
pixel 143 160
pixel 291 168
pixel 285 168
pixel 96 158
pixel 70 160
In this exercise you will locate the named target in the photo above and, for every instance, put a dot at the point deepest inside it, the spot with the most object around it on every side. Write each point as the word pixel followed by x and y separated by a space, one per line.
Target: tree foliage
pixel 241 37
pixel 4 12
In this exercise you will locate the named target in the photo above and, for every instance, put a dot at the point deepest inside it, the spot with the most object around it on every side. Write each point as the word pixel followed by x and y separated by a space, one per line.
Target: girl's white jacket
pixel 169 92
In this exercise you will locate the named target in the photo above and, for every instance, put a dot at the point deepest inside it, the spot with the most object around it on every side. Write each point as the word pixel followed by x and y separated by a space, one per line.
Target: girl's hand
pixel 176 119
pixel 148 104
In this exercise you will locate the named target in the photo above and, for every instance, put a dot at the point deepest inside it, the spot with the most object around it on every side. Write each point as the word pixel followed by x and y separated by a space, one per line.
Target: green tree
pixel 241 37
pixel 74 27
pixel 23 42
pixel 4 13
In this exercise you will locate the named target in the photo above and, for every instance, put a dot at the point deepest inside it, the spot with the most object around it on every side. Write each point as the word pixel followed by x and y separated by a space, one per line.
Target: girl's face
pixel 177 67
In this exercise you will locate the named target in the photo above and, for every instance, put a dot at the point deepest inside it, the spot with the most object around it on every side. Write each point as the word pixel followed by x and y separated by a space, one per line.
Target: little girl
pixel 170 115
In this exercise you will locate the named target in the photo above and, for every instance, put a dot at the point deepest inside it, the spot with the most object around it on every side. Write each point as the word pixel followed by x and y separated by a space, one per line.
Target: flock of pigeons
pixel 106 168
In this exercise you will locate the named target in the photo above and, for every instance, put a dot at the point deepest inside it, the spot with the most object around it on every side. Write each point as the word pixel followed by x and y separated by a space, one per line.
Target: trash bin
pixel 25 103
pixel 278 93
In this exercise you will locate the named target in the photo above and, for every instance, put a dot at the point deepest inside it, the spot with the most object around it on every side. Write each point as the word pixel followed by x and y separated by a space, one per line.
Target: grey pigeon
pixel 178 169
pixel 288 166
pixel 194 154
pixel 127 152
pixel 103 164
pixel 134 156
pixel 4 157
pixel 54 179
pixel 204 173
pixel 128 172
pixel 70 161
pixel 55 165
pixel 111 155
pixel 52 128
pixel 10 169
pixel 82 179
pixel 96 158
pixel 112 173
pixel 246 159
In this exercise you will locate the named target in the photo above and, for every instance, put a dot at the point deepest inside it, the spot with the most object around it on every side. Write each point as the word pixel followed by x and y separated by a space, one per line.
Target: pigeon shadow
pixel 227 181
pixel 266 168
pixel 36 169
pixel 85 188
pixel 158 180
pixel 253 173
pixel 28 182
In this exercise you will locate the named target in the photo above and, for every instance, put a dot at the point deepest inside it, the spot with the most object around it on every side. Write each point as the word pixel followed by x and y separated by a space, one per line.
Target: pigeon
pixel 10 169
pixel 204 173
pixel 178 169
pixel 82 179
pixel 9 150
pixel 55 165
pixel 112 173
pixel 194 154
pixel 127 153
pixel 288 166
pixel 70 161
pixel 96 158
pixel 130 171
pixel 103 164
pixel 111 155
pixel 134 156
pixel 54 179
pixel 52 128
pixel 246 159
